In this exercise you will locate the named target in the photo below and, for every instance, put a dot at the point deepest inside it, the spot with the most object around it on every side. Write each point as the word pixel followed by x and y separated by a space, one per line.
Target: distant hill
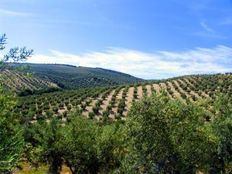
pixel 60 76
pixel 70 77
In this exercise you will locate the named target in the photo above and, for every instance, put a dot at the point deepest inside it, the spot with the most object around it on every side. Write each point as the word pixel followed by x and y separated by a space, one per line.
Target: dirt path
pixel 129 98
pixel 164 87
pixel 157 88
pixel 149 92
pixel 140 92
pixel 115 108
pixel 89 108
pixel 106 102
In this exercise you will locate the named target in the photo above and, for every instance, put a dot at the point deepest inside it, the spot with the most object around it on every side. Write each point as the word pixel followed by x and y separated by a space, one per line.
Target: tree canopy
pixel 170 136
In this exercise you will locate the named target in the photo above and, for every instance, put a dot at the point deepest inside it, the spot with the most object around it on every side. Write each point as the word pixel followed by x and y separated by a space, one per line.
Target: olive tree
pixel 11 139
pixel 11 134
pixel 170 136
pixel 14 55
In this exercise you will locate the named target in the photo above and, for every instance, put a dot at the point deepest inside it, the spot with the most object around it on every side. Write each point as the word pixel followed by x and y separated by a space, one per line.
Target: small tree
pixel 110 147
pixel 45 140
pixel 78 145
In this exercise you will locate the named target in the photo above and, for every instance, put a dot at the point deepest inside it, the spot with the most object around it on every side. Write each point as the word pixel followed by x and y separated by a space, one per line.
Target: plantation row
pixel 108 104
pixel 19 82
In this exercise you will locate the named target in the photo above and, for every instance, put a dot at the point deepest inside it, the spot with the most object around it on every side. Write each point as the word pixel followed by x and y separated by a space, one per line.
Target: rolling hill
pixel 115 102
pixel 58 76
pixel 21 82
pixel 71 77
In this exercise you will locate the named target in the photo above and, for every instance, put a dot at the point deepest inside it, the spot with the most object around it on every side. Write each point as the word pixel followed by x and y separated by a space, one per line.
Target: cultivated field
pixel 114 102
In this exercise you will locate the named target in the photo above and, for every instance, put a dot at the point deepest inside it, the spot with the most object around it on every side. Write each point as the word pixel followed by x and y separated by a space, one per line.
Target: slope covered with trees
pixel 52 77
pixel 108 104
pixel 160 135
pixel 25 84
pixel 178 125
pixel 67 76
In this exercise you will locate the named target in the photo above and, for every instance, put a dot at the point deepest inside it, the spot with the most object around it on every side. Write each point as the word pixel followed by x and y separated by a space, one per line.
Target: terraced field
pixel 115 102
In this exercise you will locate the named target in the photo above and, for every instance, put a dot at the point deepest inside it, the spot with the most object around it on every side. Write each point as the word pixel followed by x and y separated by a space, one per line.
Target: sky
pixel 150 39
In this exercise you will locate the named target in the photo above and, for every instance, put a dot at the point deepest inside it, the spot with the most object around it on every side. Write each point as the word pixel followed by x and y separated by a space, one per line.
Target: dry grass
pixel 27 169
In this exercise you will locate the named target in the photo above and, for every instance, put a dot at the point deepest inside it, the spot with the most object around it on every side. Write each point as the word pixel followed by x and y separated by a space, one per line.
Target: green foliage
pixel 11 134
pixel 70 77
pixel 82 144
pixel 168 136
pixel 222 124
pixel 159 136
pixel 78 145
pixel 11 139
pixel 42 144
pixel 15 55
pixel 110 147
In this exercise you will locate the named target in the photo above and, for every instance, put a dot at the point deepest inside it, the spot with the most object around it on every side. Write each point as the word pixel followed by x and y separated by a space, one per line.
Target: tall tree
pixel 14 55
pixel 11 140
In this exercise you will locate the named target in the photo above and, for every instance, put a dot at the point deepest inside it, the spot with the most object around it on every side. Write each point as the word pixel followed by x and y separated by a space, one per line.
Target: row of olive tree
pixel 160 136
pixel 82 144
pixel 169 136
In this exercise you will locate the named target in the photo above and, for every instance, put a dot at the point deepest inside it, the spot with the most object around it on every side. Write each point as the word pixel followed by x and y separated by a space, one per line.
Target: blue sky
pixel 146 38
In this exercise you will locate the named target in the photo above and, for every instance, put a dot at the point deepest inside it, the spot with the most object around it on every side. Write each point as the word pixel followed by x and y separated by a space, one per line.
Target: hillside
pixel 50 77
pixel 21 82
pixel 69 77
pixel 114 103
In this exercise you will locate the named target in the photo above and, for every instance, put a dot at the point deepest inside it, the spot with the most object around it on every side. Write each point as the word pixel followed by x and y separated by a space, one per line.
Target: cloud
pixel 208 32
pixel 206 27
pixel 157 65
pixel 13 13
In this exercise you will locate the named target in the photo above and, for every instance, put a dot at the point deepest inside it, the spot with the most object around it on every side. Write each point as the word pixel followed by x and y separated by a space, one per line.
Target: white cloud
pixel 161 64
pixel 208 32
pixel 206 27
pixel 6 12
